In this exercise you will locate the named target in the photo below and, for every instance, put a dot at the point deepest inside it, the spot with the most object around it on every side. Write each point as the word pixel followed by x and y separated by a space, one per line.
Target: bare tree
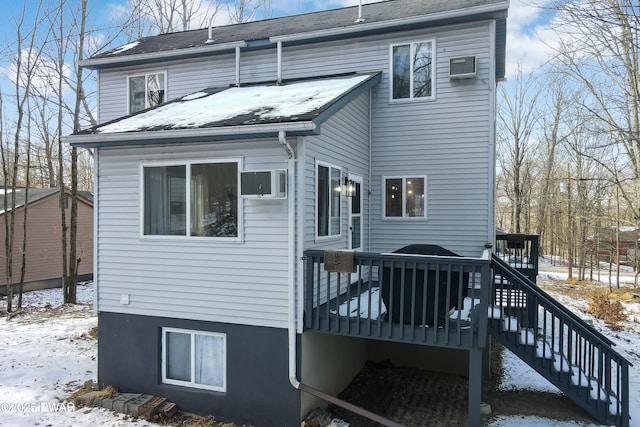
pixel 25 62
pixel 599 50
pixel 165 16
pixel 247 10
pixel 517 118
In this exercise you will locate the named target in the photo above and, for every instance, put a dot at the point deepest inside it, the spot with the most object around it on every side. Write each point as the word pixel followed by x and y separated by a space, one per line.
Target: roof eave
pixel 347 98
pixel 105 61
pixel 402 22
pixel 333 33
pixel 225 133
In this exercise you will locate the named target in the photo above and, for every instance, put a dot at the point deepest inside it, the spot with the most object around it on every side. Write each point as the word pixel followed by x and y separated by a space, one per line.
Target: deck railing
pixel 519 251
pixel 430 300
pixel 560 345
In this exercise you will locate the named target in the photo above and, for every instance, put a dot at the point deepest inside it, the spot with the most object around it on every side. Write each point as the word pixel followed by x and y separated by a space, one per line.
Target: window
pixel 405 197
pixel 146 90
pixel 199 199
pixel 328 189
pixel 194 359
pixel 412 71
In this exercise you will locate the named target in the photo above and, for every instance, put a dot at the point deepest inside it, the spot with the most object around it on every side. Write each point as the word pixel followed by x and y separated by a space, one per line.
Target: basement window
pixel 194 359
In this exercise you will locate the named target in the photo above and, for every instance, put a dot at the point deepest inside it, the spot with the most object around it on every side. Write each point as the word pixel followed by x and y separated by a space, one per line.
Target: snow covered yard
pixel 47 353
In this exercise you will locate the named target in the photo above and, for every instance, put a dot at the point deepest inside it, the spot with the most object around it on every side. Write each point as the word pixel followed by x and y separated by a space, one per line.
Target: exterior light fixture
pixel 348 188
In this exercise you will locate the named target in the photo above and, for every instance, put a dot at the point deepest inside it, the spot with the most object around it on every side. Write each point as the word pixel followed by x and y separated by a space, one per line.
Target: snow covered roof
pixel 379 17
pixel 298 107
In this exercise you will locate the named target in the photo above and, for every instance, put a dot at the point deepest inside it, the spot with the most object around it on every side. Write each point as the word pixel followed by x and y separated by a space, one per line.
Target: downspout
pixel 291 190
pixel 279 50
pixel 369 196
pixel 238 66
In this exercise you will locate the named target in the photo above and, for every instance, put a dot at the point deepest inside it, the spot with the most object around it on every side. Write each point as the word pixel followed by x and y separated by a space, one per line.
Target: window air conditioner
pixel 463 67
pixel 264 184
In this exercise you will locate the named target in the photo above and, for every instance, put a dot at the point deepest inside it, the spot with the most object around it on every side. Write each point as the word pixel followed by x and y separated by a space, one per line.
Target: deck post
pixel 475 386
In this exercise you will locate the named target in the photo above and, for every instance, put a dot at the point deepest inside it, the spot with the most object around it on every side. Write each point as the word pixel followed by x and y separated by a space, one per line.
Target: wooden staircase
pixel 560 346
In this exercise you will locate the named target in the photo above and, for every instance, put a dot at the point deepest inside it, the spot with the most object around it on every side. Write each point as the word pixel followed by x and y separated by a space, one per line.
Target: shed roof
pixel 256 110
pixel 390 15
pixel 34 195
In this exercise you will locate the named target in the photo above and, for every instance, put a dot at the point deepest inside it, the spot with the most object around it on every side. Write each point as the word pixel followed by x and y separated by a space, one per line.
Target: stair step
pixel 544 350
pixel 510 324
pixel 527 337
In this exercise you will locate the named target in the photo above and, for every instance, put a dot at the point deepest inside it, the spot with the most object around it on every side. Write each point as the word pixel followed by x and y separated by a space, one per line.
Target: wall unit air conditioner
pixel 270 184
pixel 462 67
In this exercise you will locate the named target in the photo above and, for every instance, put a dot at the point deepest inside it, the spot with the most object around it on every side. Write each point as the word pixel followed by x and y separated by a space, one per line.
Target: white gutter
pixel 373 26
pixel 168 55
pixel 101 138
pixel 291 190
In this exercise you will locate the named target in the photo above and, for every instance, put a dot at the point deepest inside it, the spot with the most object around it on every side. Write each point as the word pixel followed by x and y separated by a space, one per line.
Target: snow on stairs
pixel 537 352
pixel 572 355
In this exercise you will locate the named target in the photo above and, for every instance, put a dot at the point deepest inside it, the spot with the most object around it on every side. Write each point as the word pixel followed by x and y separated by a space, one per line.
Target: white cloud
pixel 40 73
pixel 529 36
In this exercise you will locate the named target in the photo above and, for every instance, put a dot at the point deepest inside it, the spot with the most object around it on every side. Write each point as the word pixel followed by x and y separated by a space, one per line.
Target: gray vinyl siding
pixel 447 139
pixel 198 279
pixel 344 143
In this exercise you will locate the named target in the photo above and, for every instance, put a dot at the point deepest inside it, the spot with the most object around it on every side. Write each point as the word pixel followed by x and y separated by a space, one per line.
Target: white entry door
pixel 355 214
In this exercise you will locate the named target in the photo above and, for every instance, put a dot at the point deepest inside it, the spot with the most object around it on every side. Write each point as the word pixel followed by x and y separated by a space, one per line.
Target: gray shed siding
pixel 198 279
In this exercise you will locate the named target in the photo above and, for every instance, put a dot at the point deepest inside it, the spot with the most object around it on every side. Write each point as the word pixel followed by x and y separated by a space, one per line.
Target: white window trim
pixel 129 76
pixel 238 239
pixel 359 180
pixel 411 99
pixel 192 383
pixel 404 216
pixel 315 200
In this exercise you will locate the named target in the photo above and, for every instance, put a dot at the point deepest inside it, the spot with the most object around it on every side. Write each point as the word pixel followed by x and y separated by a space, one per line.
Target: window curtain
pixel 156 214
pixel 209 365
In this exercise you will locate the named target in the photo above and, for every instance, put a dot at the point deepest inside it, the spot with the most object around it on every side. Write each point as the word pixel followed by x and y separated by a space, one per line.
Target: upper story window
pixel 412 71
pixel 405 197
pixel 146 90
pixel 194 199
pixel 328 190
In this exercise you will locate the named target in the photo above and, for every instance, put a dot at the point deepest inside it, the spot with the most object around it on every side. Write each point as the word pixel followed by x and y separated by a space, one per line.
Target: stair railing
pixel 576 357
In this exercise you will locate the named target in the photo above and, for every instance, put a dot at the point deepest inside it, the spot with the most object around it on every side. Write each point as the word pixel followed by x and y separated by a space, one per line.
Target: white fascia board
pixel 97 139
pixel 392 23
pixel 162 55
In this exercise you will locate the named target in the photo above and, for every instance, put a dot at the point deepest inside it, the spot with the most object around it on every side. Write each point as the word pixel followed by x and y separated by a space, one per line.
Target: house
pixel 43 266
pixel 615 244
pixel 270 195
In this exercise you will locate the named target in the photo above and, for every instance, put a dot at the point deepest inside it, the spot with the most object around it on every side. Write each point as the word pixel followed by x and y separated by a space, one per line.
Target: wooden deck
pixel 425 300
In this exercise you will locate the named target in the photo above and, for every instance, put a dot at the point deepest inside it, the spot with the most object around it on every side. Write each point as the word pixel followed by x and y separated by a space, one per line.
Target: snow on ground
pixel 46 354
pixel 518 375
